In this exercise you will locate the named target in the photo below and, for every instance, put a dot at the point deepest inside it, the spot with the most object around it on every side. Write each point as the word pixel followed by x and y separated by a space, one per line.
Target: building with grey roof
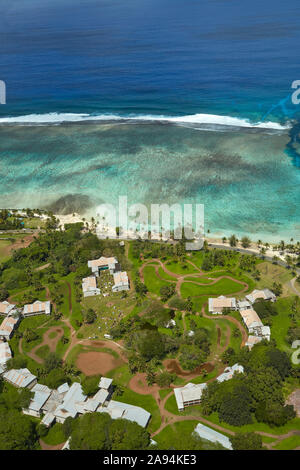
pixel 213 436
pixel 68 406
pixel 264 294
pixel 105 383
pixel 133 413
pixel 41 395
pixel 5 353
pixel 7 309
pixel 21 378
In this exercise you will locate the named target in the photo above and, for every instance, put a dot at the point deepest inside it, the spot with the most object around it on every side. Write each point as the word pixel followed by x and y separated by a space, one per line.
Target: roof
pixel 221 302
pixel 105 382
pixel 252 340
pixel 103 261
pixel 21 377
pixel 125 411
pixel 68 407
pixel 6 307
pixel 8 325
pixel 265 294
pixel 41 395
pixel 250 318
pixel 5 352
pixel 48 419
pixel 63 388
pixel 229 372
pixel 244 304
pixel 190 392
pixel 121 278
pixel 37 307
pixel 211 435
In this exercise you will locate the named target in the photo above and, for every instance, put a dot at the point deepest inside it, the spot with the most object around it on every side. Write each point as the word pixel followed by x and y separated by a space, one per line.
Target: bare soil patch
pixel 93 362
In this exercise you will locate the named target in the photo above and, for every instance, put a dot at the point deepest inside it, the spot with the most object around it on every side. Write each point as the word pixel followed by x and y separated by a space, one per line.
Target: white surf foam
pixel 210 119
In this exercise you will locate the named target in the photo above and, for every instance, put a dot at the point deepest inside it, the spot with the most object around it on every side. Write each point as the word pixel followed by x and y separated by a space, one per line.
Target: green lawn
pixel 180 267
pixel 55 435
pixel 289 443
pixel 222 287
pixel 281 323
pixel 152 282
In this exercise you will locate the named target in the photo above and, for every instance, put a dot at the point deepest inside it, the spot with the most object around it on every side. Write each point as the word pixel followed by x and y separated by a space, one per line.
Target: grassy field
pixel 221 287
pixel 271 273
pixel 153 282
pixel 289 443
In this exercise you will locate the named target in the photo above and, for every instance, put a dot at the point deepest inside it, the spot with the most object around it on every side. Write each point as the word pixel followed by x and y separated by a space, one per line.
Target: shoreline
pixel 103 231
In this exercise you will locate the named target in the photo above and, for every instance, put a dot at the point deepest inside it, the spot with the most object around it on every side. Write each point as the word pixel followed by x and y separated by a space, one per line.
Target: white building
pixel 102 264
pixel 21 378
pixel 213 436
pixel 89 286
pixel 251 319
pixel 264 294
pixel 189 395
pixel 121 281
pixel 41 395
pixel 216 305
pixel 229 372
pixel 7 309
pixel 37 308
pixel 252 340
pixel 118 410
pixel 68 407
pixel 8 327
pixel 5 353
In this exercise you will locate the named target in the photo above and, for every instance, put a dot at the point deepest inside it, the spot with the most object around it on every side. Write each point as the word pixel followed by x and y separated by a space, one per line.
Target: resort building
pixel 188 395
pixel 264 294
pixel 264 332
pixel 37 308
pixel 102 264
pixel 218 304
pixel 89 286
pixel 251 319
pixel 8 327
pixel 229 372
pixel 5 353
pixel 213 436
pixel 21 378
pixel 121 281
pixel 118 410
pixel 6 308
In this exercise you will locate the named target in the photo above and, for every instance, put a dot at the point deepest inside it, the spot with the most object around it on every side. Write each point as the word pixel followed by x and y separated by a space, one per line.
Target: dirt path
pixel 293 286
pixel 47 341
pixel 232 320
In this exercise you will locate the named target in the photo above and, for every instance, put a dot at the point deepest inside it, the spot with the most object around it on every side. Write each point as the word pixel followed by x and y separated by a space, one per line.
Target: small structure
pixel 218 304
pixel 105 383
pixel 133 413
pixel 213 436
pixel 21 378
pixel 189 395
pixel 102 264
pixel 171 323
pixel 5 353
pixel 8 327
pixel 229 372
pixel 121 281
pixel 37 308
pixel 264 294
pixel 89 286
pixel 7 309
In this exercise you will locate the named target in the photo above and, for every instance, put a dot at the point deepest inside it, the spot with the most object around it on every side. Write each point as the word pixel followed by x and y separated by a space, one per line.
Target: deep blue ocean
pixel 72 60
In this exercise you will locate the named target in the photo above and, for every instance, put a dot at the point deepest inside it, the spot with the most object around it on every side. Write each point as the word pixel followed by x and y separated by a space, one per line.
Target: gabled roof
pixel 21 377
pixel 250 318
pixel 211 435
pixel 105 382
pixel 68 407
pixel 5 352
pixel 6 307
pixel 37 307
